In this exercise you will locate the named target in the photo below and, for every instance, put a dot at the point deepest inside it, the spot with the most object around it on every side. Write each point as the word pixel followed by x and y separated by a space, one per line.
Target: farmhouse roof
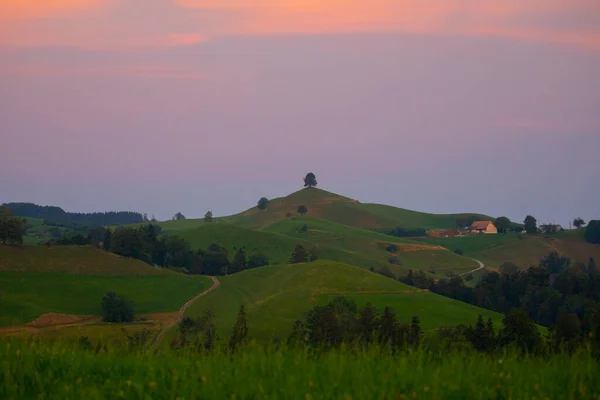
pixel 477 225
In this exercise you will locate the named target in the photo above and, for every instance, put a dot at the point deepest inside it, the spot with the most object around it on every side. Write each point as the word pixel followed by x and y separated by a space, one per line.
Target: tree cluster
pixel 116 308
pixel 340 321
pixel 11 228
pixel 547 292
pixel 301 255
pixel 58 215
pixel 403 232
pixel 592 232
pixel 201 335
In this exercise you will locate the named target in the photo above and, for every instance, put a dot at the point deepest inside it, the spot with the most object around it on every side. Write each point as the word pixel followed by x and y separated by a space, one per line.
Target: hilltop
pixel 343 210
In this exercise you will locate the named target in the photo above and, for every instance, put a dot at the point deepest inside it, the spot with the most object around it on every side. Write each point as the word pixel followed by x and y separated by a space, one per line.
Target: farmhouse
pixel 486 227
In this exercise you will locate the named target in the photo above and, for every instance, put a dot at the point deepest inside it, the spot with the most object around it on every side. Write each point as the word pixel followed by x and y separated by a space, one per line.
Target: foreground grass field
pixel 36 370
pixel 277 296
pixel 27 295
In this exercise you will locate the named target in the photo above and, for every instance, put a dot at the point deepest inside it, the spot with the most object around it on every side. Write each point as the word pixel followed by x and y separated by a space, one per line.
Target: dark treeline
pixel 402 232
pixel 342 323
pixel 550 293
pixel 145 243
pixel 56 215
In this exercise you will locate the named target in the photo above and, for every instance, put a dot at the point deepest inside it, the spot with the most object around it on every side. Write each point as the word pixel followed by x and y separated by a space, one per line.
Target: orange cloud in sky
pixel 186 39
pixel 123 24
pixel 533 20
pixel 20 9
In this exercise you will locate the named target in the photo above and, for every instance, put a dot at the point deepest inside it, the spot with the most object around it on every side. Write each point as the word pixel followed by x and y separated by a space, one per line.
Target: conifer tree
pixel 240 329
pixel 239 261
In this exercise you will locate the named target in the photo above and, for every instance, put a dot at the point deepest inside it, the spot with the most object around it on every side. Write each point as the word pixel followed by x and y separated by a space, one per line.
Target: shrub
pixel 394 260
pixel 116 308
pixel 592 232
pixel 392 248
pixel 257 260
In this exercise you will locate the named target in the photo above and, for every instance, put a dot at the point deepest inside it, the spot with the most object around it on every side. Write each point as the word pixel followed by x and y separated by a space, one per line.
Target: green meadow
pixel 57 371
pixel 27 295
pixel 276 296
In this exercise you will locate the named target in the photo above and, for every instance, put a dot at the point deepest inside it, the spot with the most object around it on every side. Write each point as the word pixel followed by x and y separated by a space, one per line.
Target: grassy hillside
pixel 72 280
pixel 276 296
pixel 278 248
pixel 335 242
pixel 332 207
pixel 27 295
pixel 413 219
pixel 373 245
pixel 80 260
pixel 522 250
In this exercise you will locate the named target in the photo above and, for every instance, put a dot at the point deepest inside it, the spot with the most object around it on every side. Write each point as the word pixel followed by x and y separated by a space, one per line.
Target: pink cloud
pixel 534 20
pixel 27 9
pixel 186 39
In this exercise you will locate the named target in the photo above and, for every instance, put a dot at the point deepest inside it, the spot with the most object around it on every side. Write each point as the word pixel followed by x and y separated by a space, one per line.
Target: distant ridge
pixel 59 216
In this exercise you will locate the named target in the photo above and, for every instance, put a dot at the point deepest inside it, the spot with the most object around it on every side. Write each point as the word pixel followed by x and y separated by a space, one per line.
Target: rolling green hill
pixel 522 250
pixel 335 242
pixel 79 260
pixel 72 280
pixel 332 207
pixel 278 248
pixel 276 296
pixel 412 254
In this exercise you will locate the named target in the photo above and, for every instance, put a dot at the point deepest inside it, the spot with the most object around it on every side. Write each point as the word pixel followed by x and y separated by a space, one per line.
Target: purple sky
pixel 162 106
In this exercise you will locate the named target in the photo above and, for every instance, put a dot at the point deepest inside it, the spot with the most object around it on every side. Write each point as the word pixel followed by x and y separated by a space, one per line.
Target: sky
pixel 442 106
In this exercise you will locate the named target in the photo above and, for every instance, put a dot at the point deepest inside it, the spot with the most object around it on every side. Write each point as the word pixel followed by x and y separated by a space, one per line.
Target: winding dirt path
pixel 481 266
pixel 174 322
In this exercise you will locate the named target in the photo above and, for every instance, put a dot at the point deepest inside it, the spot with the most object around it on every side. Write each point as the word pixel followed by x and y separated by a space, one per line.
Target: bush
pixel 116 308
pixel 392 248
pixel 257 260
pixel 592 232
pixel 394 260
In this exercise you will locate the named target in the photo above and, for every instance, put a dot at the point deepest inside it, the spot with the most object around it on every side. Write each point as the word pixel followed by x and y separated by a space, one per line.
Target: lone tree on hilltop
pixel 530 225
pixel 310 180
pixel 578 223
pixel 178 216
pixel 302 210
pixel 262 203
pixel 208 217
